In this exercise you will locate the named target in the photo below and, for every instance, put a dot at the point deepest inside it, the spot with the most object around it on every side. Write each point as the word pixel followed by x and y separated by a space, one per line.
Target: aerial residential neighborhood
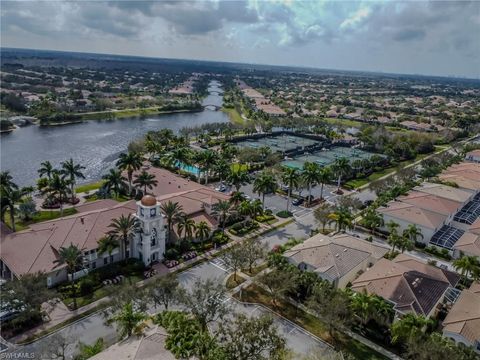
pixel 240 180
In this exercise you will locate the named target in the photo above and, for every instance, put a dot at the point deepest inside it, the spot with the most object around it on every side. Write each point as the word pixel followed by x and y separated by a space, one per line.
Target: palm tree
pixel 107 244
pixel 409 326
pixel 310 176
pixel 244 208
pixel 238 178
pixel 123 230
pixel 291 178
pixel 185 225
pixel 46 168
pixel 412 232
pixel 342 168
pixel 324 177
pixel 394 239
pixel 128 320
pixel 466 265
pixel 237 197
pixel 222 169
pixel 363 306
pixel 223 211
pixel 171 210
pixel 114 181
pixel 202 231
pixel 372 219
pixel 207 161
pixel 405 243
pixel 181 155
pixel 72 257
pixel 146 180
pixel 256 207
pixel 129 162
pixel 263 184
pixel 342 217
pixel 6 181
pixel 72 171
pixel 8 198
pixel 58 188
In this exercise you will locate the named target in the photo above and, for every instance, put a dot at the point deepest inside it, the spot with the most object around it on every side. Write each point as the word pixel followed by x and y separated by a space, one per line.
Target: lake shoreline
pixel 118 115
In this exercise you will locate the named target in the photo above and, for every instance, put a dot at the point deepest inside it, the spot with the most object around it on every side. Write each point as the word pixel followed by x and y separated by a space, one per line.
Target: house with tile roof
pixel 404 214
pixel 338 259
pixel 462 323
pixel 473 155
pixel 36 248
pixel 409 284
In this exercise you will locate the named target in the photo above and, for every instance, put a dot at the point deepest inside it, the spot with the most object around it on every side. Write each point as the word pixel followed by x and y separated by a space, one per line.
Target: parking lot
pixel 276 202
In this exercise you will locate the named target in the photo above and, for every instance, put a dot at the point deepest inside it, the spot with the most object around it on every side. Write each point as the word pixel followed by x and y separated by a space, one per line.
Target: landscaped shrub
pixel 243 227
pixel 284 214
pixel 420 245
pixel 172 254
pixel 86 285
pixel 264 218
pixel 220 238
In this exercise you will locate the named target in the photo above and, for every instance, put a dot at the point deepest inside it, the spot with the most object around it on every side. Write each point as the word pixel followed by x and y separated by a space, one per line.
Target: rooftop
pixel 409 283
pixel 413 214
pixel 334 256
pixel 464 317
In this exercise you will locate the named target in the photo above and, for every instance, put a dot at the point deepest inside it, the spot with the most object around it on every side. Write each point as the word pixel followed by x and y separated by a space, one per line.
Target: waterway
pixel 96 144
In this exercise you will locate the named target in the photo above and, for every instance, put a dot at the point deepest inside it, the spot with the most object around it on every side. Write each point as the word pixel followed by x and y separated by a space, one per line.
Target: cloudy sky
pixel 420 37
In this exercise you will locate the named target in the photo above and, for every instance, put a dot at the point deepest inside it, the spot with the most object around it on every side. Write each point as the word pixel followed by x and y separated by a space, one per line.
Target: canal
pixel 96 144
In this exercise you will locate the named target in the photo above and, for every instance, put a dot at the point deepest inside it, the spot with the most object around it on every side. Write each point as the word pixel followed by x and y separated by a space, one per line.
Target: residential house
pixel 473 155
pixel 338 259
pixel 405 214
pixel 462 323
pixel 409 284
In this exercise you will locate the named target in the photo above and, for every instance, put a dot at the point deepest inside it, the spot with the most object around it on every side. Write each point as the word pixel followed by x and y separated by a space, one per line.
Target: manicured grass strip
pixel 255 294
pixel 40 216
pixel 234 115
pixel 89 187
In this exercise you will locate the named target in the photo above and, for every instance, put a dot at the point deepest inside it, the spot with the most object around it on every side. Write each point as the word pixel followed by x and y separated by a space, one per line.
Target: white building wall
pixel 426 232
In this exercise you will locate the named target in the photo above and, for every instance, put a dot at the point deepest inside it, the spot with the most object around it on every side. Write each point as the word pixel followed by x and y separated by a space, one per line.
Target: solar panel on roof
pixel 446 237
pixel 470 212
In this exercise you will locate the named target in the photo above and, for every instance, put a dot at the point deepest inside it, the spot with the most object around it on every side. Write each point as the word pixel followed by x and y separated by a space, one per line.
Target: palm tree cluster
pixel 404 241
pixel 129 163
pixel 187 229
pixel 58 185
pixel 10 195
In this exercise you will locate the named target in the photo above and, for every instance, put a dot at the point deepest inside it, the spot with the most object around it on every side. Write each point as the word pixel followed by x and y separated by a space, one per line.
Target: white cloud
pixel 355 19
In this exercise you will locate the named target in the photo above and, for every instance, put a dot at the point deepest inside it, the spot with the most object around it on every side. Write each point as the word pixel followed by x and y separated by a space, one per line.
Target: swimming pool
pixel 189 168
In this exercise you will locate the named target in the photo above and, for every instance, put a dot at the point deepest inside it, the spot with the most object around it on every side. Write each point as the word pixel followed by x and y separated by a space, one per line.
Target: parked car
pixel 221 188
pixel 297 201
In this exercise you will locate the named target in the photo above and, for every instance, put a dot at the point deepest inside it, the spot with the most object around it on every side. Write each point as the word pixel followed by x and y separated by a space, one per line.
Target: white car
pixel 221 188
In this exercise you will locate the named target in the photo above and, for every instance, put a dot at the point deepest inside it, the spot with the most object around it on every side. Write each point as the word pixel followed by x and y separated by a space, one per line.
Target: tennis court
pixel 281 143
pixel 328 156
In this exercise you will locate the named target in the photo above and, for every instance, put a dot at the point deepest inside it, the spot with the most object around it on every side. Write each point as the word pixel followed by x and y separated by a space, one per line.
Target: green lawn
pixel 235 117
pixel 89 187
pixel 40 216
pixel 356 183
pixel 255 294
pixel 237 167
pixel 347 122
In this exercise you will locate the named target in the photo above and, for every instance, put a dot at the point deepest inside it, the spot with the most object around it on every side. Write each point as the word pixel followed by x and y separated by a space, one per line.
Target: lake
pixel 96 144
